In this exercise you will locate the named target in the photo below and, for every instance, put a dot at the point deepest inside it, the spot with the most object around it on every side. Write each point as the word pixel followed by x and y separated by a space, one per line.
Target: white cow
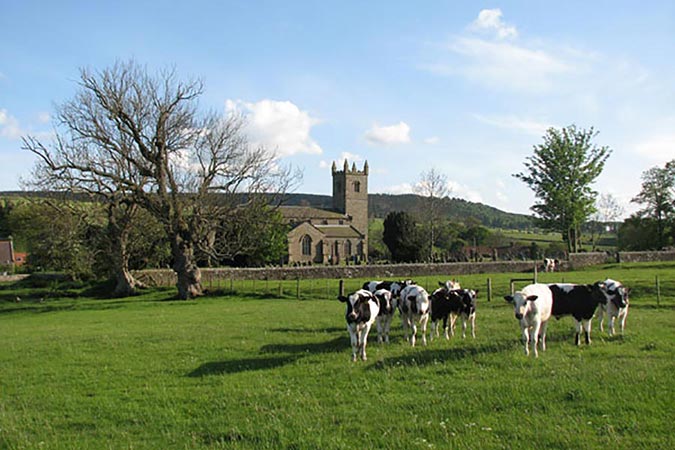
pixel 617 307
pixel 362 309
pixel 532 307
pixel 387 303
pixel 415 307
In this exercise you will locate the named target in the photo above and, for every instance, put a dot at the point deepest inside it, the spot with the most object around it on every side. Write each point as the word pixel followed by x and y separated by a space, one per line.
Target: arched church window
pixel 348 248
pixel 306 245
pixel 357 186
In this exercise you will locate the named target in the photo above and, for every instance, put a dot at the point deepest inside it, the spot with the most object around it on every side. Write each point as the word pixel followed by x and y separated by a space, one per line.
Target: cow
pixel 550 264
pixel 617 307
pixel 579 301
pixel 388 304
pixel 450 284
pixel 362 310
pixel 415 307
pixel 532 307
pixel 392 286
pixel 453 303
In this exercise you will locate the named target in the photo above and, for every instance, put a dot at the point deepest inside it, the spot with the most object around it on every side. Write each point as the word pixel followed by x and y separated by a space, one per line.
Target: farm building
pixel 8 257
pixel 335 236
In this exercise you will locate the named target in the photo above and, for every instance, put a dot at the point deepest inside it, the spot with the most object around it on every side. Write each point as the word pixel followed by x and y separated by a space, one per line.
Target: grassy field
pixel 245 371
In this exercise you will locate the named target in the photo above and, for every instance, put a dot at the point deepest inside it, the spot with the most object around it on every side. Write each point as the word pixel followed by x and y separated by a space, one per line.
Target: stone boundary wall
pixel 646 256
pixel 166 277
pixel 13 278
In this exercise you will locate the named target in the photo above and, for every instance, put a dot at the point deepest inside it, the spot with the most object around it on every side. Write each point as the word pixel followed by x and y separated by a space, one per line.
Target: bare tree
pixel 433 187
pixel 143 138
pixel 607 209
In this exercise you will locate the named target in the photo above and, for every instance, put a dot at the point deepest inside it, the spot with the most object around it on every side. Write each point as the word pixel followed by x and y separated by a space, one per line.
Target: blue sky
pixel 464 87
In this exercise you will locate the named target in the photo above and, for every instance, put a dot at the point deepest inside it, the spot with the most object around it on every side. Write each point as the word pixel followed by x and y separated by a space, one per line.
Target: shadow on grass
pixel 333 346
pixel 241 365
pixel 309 330
pixel 429 356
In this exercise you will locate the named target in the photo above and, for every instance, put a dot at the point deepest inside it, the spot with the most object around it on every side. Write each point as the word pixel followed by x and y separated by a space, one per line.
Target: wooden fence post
pixel 342 288
pixel 489 289
pixel 658 292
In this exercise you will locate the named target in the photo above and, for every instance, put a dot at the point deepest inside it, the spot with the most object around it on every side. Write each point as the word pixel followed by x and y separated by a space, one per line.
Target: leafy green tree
pixel 658 197
pixel 561 172
pixel 402 237
pixel 637 233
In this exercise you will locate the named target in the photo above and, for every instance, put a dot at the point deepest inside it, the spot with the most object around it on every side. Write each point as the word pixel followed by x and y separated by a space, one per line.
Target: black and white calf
pixel 362 310
pixel 532 307
pixel 579 301
pixel 452 304
pixel 415 307
pixel 550 264
pixel 617 307
pixel 388 305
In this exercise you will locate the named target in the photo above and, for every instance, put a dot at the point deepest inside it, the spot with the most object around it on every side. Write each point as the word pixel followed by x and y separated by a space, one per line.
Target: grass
pixel 245 371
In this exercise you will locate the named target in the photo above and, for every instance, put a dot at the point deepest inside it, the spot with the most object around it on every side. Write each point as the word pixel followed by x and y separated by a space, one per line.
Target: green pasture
pixel 243 369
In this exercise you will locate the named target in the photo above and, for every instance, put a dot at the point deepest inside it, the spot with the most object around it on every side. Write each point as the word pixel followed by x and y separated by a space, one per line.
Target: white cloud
pixel 491 20
pixel 433 140
pixel 9 126
pixel 278 125
pixel 391 134
pixel 500 65
pixel 403 188
pixel 660 148
pixel 528 126
pixel 44 117
pixel 456 189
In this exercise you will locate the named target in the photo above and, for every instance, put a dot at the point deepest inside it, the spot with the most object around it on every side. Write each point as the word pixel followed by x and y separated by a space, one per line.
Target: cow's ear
pixel 508 298
pixel 342 298
pixel 441 284
pixel 532 298
pixel 476 291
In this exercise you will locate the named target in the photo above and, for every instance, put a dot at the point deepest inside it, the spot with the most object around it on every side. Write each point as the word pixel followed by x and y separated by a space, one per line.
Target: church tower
pixel 350 195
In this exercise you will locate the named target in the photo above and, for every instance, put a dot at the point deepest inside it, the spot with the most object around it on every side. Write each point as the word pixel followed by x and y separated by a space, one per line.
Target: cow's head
pixel 450 284
pixel 468 301
pixel 521 303
pixel 619 296
pixel 358 309
pixel 386 301
pixel 599 292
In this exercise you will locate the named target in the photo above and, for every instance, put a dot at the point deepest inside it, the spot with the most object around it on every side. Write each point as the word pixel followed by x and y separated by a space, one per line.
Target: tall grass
pixel 245 371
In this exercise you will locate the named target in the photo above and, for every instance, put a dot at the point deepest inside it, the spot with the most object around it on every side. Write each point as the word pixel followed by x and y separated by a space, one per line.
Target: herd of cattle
pixel 377 302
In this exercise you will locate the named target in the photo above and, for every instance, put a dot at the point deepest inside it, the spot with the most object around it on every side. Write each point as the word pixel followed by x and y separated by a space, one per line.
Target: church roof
pixel 307 212
pixel 339 231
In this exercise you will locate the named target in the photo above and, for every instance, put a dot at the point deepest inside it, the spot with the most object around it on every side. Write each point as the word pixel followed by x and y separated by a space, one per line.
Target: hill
pixel 379 205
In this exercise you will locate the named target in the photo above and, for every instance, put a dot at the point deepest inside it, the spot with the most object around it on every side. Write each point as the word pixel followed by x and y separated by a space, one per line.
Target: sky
pixel 466 88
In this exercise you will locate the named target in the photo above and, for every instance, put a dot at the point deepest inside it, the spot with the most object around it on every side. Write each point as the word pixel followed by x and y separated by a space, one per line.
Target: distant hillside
pixel 379 205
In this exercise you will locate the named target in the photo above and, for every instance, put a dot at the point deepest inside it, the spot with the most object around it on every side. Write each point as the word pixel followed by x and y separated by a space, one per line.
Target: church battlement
pixel 352 171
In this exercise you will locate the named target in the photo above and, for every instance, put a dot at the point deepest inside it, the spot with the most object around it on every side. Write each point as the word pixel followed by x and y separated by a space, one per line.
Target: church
pixel 336 236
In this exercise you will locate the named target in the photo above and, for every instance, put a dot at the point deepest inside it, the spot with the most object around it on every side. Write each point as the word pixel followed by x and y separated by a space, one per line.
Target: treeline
pixel 71 236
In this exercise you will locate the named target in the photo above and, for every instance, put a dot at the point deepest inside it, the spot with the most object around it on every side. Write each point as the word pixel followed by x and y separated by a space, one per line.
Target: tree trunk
pixel 188 274
pixel 126 283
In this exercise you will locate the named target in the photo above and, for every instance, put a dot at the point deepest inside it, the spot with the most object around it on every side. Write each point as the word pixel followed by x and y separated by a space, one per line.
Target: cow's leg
pixel 577 328
pixel 612 318
pixel 542 335
pixel 473 325
pixel 535 337
pixel 364 340
pixel 423 322
pixel 387 327
pixel 453 319
pixel 622 318
pixel 406 326
pixel 587 330
pixel 526 338
pixel 354 341
pixel 413 327
pixel 601 318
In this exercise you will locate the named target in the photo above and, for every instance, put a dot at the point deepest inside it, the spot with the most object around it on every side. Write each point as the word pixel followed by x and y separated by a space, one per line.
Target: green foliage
pixel 560 173
pixel 658 197
pixel 402 237
pixel 150 373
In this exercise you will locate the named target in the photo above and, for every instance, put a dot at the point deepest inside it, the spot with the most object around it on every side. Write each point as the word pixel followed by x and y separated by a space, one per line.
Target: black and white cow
pixel 388 304
pixel 550 264
pixel 392 286
pixel 449 284
pixel 362 310
pixel 452 304
pixel 617 307
pixel 532 307
pixel 579 301
pixel 415 307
